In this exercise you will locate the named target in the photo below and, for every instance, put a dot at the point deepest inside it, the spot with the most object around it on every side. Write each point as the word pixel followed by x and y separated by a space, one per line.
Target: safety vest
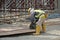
pixel 40 12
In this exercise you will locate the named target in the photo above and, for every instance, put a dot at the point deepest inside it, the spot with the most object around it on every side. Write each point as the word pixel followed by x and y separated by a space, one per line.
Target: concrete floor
pixel 52 33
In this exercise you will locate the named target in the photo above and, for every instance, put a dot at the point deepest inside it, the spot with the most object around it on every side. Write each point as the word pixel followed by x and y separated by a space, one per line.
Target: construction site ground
pixel 52 32
pixel 20 30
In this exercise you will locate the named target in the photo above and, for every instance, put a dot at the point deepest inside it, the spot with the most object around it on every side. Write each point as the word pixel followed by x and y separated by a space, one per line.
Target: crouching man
pixel 38 17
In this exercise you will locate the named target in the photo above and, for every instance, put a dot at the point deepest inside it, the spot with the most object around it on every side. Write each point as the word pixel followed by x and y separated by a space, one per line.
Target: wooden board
pixel 7 31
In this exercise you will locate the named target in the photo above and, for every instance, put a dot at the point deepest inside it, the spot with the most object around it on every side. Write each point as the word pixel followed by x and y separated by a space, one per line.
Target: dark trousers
pixel 33 23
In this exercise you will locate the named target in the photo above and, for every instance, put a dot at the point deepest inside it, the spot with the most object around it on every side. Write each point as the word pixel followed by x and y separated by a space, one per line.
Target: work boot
pixel 38 30
pixel 43 28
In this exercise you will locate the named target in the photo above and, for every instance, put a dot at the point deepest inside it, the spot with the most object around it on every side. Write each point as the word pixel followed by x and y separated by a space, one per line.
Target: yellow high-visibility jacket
pixel 40 13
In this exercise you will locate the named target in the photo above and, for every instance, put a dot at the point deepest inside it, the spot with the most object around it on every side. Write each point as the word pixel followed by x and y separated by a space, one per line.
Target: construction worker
pixel 32 18
pixel 40 17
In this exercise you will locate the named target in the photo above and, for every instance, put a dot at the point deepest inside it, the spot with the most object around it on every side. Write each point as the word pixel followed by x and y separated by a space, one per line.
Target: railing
pixel 16 4
pixel 13 9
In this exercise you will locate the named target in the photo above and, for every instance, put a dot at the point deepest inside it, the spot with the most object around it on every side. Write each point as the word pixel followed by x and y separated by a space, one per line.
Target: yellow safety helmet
pixel 29 11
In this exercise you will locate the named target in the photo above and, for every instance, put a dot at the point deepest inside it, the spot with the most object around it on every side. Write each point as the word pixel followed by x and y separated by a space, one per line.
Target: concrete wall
pixel 57 7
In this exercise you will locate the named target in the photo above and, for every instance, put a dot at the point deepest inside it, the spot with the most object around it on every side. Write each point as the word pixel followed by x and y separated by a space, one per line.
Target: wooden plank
pixel 16 32
pixel 11 31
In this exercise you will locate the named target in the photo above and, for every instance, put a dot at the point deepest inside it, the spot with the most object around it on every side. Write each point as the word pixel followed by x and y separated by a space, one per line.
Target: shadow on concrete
pixel 17 35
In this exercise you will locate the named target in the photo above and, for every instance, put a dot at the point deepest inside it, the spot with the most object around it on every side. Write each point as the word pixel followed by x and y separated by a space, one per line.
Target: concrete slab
pixel 52 33
pixel 14 29
pixel 55 21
